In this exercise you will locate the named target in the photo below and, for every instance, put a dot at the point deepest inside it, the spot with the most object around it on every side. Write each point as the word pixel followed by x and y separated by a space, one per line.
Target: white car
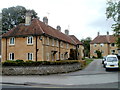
pixel 111 62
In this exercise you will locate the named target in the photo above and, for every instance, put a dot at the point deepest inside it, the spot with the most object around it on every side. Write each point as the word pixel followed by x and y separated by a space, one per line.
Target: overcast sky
pixel 83 18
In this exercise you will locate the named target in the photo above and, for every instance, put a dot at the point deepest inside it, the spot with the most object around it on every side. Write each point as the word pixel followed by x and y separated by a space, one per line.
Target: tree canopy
pixel 86 44
pixel 113 11
pixel 13 16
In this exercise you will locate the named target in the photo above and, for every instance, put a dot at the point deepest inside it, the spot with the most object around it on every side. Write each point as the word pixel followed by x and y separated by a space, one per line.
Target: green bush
pixel 37 63
pixel 19 60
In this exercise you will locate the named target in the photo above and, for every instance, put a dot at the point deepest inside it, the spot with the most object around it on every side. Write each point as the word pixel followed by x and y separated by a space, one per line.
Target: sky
pixel 83 18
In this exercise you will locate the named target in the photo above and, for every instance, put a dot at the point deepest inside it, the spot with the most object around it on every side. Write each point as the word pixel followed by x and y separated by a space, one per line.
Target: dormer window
pixel 30 40
pixel 12 41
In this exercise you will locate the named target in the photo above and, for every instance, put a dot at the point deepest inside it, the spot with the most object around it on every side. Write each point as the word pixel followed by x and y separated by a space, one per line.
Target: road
pixel 93 76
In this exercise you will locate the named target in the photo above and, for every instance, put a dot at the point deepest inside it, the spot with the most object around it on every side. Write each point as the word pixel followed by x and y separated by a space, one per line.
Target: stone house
pixel 104 43
pixel 36 40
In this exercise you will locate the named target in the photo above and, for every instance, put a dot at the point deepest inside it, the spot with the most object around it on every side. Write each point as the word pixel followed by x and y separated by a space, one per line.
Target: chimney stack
pixel 28 18
pixel 67 32
pixel 45 20
pixel 107 33
pixel 58 28
pixel 98 33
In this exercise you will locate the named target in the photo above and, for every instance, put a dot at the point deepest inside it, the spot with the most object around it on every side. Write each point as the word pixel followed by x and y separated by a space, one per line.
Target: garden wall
pixel 40 70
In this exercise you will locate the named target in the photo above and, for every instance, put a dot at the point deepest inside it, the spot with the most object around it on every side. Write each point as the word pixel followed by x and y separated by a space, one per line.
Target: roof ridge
pixel 108 38
pixel 72 39
pixel 40 27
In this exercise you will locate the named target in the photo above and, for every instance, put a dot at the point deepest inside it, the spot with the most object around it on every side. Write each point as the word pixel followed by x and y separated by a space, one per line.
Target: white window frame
pixel 57 56
pixel 67 45
pixel 47 56
pixel 11 57
pixel 111 45
pixel 31 40
pixel 53 42
pixel 94 51
pixel 30 57
pixel 102 44
pixel 57 43
pixel 12 41
pixel 112 51
pixel 102 51
pixel 61 44
pixel 95 45
pixel 48 43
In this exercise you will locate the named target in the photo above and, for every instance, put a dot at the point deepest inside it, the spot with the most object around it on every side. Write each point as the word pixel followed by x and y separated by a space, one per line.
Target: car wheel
pixel 104 65
pixel 106 69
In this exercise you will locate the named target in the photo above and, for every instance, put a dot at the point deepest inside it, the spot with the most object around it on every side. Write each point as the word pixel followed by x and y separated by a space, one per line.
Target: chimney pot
pixel 67 32
pixel 107 33
pixel 28 18
pixel 45 20
pixel 58 28
pixel 98 33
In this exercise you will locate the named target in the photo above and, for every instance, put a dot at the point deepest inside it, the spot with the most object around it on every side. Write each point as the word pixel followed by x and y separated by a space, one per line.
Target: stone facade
pixel 45 51
pixel 41 70
pixel 105 44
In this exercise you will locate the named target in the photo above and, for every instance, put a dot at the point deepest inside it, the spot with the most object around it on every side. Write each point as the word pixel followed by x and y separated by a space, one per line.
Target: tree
pixel 86 44
pixel 99 54
pixel 113 11
pixel 13 16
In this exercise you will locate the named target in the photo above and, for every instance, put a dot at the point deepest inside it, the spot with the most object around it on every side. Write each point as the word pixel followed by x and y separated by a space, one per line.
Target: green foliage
pixel 99 54
pixel 13 16
pixel 86 44
pixel 113 11
pixel 94 57
pixel 88 61
pixel 34 63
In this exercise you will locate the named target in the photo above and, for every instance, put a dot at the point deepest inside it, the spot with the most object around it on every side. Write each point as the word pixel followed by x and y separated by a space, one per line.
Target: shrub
pixel 9 63
pixel 37 63
pixel 19 60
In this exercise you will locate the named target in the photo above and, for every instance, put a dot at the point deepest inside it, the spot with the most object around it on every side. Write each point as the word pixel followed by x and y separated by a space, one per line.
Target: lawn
pixel 88 61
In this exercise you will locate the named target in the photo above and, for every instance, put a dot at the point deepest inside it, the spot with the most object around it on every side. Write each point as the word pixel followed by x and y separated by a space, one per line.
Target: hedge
pixel 37 63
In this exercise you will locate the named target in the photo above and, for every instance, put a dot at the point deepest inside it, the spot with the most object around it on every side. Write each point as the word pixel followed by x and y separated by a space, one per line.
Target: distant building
pixel 36 40
pixel 104 43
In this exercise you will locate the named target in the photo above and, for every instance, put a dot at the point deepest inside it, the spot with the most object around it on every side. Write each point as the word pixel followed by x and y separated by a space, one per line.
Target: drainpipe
pixel 76 52
pixel 6 50
pixel 59 50
pixel 36 46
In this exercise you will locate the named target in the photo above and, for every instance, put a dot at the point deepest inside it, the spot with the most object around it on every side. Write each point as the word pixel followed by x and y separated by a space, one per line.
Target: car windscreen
pixel 111 59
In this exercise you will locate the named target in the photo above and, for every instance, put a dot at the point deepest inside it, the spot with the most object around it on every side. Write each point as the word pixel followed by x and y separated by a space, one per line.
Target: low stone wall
pixel 40 70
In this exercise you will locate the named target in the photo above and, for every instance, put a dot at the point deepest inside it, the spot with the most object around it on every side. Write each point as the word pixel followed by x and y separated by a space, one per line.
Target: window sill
pixel 29 44
pixel 11 45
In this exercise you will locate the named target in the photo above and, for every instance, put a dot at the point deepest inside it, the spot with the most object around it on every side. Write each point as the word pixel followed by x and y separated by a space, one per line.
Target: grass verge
pixel 88 61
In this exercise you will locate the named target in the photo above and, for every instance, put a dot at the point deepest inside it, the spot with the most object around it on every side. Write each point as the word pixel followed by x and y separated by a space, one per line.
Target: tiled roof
pixel 38 28
pixel 104 39
pixel 75 40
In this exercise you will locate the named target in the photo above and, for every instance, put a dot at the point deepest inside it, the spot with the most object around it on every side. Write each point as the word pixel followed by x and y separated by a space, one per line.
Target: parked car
pixel 111 62
pixel 104 58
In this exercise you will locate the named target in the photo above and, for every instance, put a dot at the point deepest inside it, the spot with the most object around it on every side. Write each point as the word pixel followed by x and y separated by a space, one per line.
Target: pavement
pixel 92 75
